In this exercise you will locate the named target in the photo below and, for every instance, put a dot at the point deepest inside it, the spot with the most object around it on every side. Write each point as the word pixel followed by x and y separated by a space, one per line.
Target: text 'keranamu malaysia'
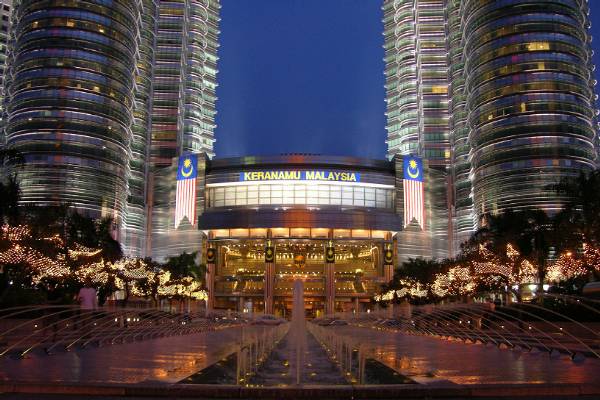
pixel 300 176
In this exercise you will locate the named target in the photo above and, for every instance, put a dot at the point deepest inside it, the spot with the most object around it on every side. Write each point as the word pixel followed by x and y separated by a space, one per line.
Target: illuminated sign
pixel 318 175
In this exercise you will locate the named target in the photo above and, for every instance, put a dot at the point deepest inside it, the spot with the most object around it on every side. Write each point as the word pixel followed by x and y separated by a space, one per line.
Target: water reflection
pixel 432 358
pixel 423 359
pixel 167 360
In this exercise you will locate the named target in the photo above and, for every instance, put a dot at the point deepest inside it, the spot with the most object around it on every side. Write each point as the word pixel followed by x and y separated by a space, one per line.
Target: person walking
pixel 87 297
pixel 88 302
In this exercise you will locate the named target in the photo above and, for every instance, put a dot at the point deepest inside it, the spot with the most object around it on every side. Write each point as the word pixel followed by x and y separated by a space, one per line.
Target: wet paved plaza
pixel 428 359
pixel 423 359
pixel 167 359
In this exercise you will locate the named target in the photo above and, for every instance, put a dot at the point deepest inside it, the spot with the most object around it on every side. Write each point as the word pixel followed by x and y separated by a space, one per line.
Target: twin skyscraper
pixel 101 95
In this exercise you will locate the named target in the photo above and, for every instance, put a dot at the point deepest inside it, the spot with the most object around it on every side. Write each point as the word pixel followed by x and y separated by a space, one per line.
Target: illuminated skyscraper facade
pixel 530 100
pixel 418 113
pixel 464 220
pixel 417 79
pixel 99 93
pixel 133 232
pixel 70 99
pixel 500 91
pixel 5 10
pixel 183 116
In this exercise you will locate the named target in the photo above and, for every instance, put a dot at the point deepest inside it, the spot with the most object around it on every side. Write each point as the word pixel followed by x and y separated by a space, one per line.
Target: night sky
pixel 306 76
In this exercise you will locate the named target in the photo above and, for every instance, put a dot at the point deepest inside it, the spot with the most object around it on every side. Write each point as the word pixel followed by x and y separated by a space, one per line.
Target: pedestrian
pixel 88 302
pixel 87 297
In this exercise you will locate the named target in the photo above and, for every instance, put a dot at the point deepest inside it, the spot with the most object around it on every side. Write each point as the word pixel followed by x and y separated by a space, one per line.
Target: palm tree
pixel 582 213
pixel 111 249
pixel 10 194
pixel 532 232
pixel 419 269
pixel 185 265
pixel 11 156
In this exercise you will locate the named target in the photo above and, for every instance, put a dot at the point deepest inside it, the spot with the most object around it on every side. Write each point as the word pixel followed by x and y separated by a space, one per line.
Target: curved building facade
pixel 300 206
pixel 135 221
pixel 401 77
pixel 185 79
pixel 463 217
pixel 530 100
pixel 70 101
pixel 416 70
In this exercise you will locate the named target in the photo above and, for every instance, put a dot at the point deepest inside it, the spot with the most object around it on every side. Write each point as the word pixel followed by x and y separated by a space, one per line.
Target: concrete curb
pixel 305 392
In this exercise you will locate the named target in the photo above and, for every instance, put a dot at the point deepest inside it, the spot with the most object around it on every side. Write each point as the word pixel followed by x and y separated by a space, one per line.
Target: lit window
pixel 534 46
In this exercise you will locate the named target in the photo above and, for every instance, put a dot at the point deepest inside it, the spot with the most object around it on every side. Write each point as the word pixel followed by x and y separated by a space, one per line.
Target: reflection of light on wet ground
pixel 423 358
pixel 167 359
pixel 426 357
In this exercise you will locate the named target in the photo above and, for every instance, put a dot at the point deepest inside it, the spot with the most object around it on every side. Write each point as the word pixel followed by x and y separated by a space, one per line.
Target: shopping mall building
pixel 341 224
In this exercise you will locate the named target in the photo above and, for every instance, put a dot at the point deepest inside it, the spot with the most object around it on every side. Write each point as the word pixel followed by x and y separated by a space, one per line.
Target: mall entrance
pixel 241 271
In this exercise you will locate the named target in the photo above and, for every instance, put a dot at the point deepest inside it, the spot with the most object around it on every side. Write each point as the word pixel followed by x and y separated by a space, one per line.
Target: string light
pixel 566 267
pixel 86 264
pixel 482 268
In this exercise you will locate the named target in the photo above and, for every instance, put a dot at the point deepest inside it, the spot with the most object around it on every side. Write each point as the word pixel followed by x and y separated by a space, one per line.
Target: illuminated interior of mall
pixel 242 271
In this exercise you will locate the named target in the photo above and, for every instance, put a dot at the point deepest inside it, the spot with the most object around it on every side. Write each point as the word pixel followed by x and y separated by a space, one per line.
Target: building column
pixel 329 279
pixel 388 263
pixel 211 268
pixel 388 271
pixel 269 285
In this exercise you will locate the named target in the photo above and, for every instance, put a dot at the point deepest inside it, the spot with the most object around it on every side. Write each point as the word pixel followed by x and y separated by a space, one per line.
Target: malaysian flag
pixel 414 196
pixel 185 199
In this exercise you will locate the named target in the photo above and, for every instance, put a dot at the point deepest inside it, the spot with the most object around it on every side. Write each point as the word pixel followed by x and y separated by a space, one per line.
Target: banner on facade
pixel 329 255
pixel 388 257
pixel 414 194
pixel 185 198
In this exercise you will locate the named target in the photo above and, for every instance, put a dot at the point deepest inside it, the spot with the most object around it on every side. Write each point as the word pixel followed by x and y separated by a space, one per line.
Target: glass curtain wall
pixel 302 194
pixel 417 79
pixel 5 10
pixel 530 99
pixel 400 32
pixel 134 226
pixel 184 79
pixel 464 220
pixel 70 101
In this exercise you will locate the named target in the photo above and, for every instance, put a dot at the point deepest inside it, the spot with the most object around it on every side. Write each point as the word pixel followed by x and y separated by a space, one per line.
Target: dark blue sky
pixel 306 76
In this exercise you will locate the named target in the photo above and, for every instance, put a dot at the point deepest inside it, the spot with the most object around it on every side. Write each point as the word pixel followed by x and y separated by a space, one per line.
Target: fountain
pixel 299 359
pixel 450 345
pixel 298 327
